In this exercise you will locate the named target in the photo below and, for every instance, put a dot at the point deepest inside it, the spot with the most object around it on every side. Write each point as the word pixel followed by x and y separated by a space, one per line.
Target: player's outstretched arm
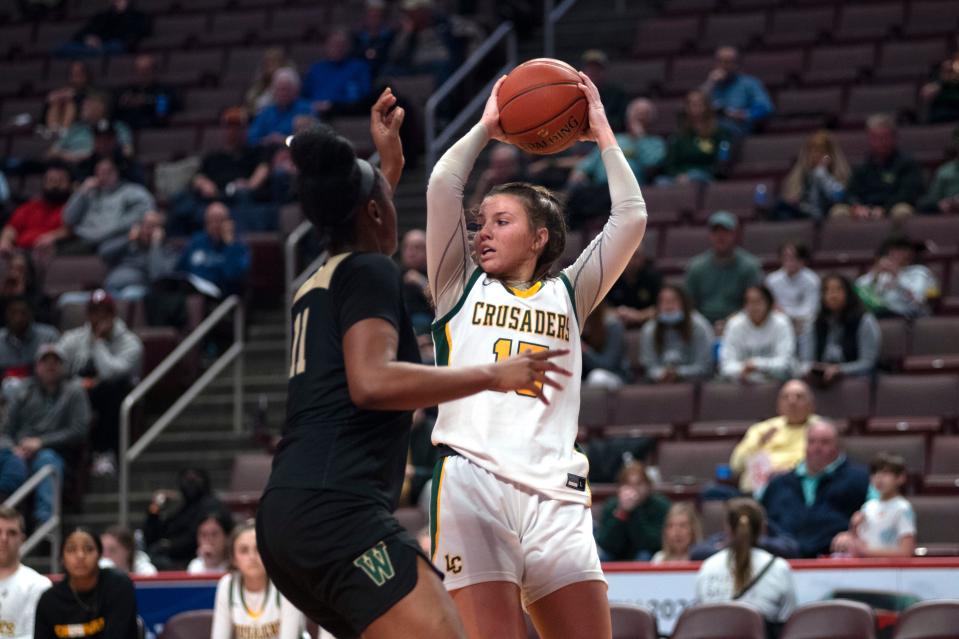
pixel 378 382
pixel 385 121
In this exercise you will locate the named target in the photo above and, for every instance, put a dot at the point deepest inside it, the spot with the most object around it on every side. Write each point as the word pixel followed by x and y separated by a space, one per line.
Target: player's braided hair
pixel 544 211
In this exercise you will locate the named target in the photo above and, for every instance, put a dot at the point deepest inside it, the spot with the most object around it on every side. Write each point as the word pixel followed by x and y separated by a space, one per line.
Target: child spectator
pixel 681 532
pixel 886 525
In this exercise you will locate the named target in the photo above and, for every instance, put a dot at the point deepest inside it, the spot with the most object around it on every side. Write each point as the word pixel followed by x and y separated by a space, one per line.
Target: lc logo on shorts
pixel 376 563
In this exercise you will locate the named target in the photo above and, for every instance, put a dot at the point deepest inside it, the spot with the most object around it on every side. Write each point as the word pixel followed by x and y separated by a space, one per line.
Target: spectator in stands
pixel 776 445
pixel 886 525
pixel 211 544
pixel 146 102
pixel 681 532
pixel 795 286
pixel 594 64
pixel 88 596
pixel 844 339
pixel 699 150
pixel 505 165
pixel 341 83
pixel 107 357
pixel 231 173
pixel 372 41
pixel 717 279
pixel 644 151
pixel 216 261
pixel 815 501
pixel 20 340
pixel 106 144
pixel 633 296
pixel 677 344
pixel 941 96
pixel 103 208
pixel 77 144
pixel 120 552
pixel 139 259
pixel 740 100
pixel 259 95
pixel 248 581
pixel 745 572
pixel 63 105
pixel 430 41
pixel 275 122
pixel 631 525
pixel 896 286
pixel 759 343
pixel 170 534
pixel 888 183
pixel 118 29
pixel 21 281
pixel 39 222
pixel 943 193
pixel 415 287
pixel 13 472
pixel 48 423
pixel 604 349
pixel 22 585
pixel 816 182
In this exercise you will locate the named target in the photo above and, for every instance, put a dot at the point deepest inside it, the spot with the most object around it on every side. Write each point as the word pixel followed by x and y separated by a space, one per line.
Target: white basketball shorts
pixel 484 528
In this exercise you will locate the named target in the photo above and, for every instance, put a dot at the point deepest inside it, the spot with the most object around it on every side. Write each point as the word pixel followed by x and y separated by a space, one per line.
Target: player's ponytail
pixel 332 183
pixel 544 211
pixel 745 519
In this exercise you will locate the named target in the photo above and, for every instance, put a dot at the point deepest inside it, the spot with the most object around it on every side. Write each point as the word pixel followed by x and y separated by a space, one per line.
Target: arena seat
pixel 870 21
pixel 235 27
pixel 943 473
pixel 667 204
pixel 764 239
pixel 799 26
pixel 679 244
pixel 593 407
pixel 241 64
pixel 768 155
pixel 837 64
pixel 863 101
pixel 723 429
pixel 175 30
pixel 915 403
pixel 119 70
pixel 161 145
pixel 734 29
pixel 632 622
pixel 72 273
pixel 16 77
pixel 912 448
pixel 719 401
pixel 935 345
pixel 689 463
pixel 849 399
pixel 939 233
pixel 934 17
pixel 836 619
pixel 731 620
pixel 925 143
pixel 653 404
pixel 848 241
pixel 910 59
pixel 937 520
pixel 633 345
pixel 247 481
pixel 950 301
pixel 895 342
pixel 713 516
pixel 687 73
pixel 188 625
pixel 929 620
pixel 663 36
pixel 774 68
pixel 735 196
pixel 193 67
pixel 639 75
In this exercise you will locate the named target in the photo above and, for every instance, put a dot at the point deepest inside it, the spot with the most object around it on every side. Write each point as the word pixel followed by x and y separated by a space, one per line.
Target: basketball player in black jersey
pixel 325 527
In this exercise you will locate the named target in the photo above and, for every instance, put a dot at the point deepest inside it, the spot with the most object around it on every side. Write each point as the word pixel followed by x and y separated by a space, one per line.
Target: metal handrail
pixel 129 454
pixel 50 529
pixel 436 142
pixel 552 15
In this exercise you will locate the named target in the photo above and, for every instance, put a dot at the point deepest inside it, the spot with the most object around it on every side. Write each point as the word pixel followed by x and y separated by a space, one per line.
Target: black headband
pixel 367 179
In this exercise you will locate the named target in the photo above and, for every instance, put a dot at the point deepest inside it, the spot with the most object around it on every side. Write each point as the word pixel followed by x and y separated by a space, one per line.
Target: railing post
pixel 549 30
pixel 56 536
pixel 124 479
pixel 238 324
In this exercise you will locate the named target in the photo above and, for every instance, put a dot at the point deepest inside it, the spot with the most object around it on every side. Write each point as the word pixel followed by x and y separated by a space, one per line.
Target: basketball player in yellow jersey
pixel 511 524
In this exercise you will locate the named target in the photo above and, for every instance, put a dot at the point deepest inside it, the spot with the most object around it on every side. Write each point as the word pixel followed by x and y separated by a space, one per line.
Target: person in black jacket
pixel 116 30
pixel 815 501
pixel 171 536
pixel 89 601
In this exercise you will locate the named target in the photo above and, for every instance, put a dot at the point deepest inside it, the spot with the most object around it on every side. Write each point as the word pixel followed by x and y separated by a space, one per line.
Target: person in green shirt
pixel 717 279
pixel 631 526
pixel 943 193
pixel 699 150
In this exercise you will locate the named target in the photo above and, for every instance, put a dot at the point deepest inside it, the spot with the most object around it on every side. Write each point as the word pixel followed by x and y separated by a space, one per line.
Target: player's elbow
pixel 367 394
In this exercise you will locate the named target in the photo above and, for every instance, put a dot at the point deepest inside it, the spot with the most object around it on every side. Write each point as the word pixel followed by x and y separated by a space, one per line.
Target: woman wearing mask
pixel 844 340
pixel 744 572
pixel 247 604
pixel 681 532
pixel 677 345
pixel 816 182
pixel 97 602
pixel 759 342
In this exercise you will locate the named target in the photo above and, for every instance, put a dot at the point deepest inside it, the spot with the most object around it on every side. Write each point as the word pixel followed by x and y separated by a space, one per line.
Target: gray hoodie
pixel 100 214
pixel 118 356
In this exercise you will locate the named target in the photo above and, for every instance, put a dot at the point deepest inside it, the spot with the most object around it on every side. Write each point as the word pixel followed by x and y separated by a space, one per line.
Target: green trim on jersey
pixel 436 484
pixel 572 296
pixel 438 329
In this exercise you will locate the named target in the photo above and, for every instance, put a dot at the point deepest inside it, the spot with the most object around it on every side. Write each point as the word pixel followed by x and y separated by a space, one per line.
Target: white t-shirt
pixel 774 595
pixel 197 567
pixel 797 296
pixel 241 614
pixel 19 594
pixel 886 522
pixel 771 347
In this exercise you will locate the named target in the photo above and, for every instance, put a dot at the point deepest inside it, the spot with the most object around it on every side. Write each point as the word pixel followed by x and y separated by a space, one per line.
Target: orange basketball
pixel 541 108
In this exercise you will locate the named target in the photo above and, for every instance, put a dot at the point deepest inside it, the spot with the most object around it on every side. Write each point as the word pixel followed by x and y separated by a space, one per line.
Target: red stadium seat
pixel 836 619
pixel 176 30
pixel 851 241
pixel 188 625
pixel 72 273
pixel 895 342
pixel 867 22
pixel 648 404
pixel 721 401
pixel 764 239
pixel 235 27
pixel 630 621
pixel 594 407
pixel 735 29
pixel 767 155
pixel 929 620
pixel 639 76
pixel 690 463
pixel 934 17
pixel 247 481
pixel 910 59
pixel 732 620
pixel 846 400
pixel 162 145
pixel 667 204
pixel 839 64
pixel 688 73
pixel 735 196
pixel 895 99
pixel 925 143
pixel 680 244
pixel 940 234
pixel 864 448
pixel 774 68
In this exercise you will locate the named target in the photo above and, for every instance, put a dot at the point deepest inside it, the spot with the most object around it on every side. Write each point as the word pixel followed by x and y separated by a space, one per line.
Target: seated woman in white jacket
pixel 759 344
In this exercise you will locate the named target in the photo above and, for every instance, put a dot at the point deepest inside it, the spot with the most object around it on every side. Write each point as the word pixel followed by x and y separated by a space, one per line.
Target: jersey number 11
pixel 298 355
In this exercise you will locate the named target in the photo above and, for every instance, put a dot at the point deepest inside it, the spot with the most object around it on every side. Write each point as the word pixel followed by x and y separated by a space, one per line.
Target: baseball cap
pixel 723 219
pixel 101 299
pixel 50 349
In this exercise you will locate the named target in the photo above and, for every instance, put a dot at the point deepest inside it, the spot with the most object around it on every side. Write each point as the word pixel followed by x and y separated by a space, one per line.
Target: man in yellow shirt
pixel 778 444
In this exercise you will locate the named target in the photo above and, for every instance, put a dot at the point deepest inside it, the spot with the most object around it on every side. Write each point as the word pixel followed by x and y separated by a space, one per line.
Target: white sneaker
pixel 104 465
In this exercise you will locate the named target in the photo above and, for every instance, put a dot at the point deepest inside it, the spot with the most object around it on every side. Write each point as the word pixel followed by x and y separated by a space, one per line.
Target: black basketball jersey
pixel 329 444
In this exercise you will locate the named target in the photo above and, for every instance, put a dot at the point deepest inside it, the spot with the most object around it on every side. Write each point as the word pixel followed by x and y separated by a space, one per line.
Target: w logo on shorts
pixel 376 563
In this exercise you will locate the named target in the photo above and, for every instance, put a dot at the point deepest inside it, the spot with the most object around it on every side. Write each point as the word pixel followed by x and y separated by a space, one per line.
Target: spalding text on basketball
pixel 549 139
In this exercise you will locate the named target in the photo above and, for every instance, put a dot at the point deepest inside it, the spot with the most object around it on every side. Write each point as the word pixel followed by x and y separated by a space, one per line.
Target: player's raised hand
pixel 385 121
pixel 598 130
pixel 527 371
pixel 490 117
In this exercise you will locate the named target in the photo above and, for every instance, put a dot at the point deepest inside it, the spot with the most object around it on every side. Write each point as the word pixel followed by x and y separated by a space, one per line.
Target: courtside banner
pixel 666 591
